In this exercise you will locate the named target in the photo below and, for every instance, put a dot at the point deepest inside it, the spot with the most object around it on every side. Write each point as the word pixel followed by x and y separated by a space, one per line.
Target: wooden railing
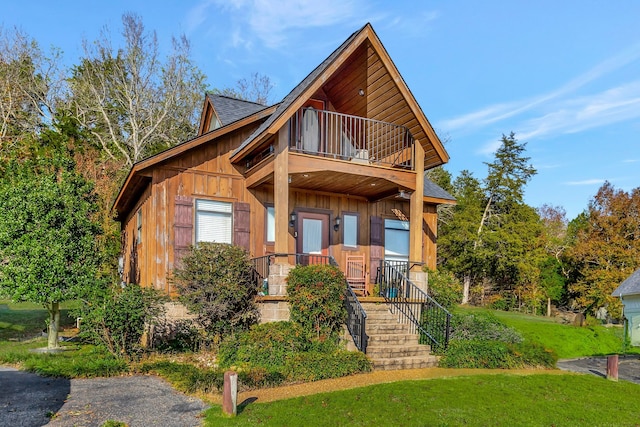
pixel 352 138
pixel 414 306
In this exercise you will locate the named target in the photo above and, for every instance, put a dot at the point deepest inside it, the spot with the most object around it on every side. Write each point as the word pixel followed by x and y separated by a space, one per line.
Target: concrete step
pixel 390 351
pixel 393 339
pixel 405 363
pixel 386 328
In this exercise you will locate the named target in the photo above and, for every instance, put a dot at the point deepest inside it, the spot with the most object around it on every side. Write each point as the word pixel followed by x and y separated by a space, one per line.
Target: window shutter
pixel 242 225
pixel 376 244
pixel 182 227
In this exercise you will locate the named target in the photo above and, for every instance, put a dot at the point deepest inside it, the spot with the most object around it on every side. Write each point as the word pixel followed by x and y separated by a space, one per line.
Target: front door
pixel 313 237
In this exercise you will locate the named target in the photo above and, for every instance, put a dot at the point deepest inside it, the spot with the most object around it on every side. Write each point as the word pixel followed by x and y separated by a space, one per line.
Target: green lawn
pixel 483 400
pixel 568 341
pixel 25 320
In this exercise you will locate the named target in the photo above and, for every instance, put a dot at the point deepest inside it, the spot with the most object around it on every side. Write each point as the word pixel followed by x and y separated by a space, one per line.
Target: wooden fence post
pixel 612 367
pixel 230 394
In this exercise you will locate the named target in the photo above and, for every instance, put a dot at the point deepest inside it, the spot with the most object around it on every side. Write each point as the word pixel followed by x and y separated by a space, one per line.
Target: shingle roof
pixel 431 189
pixel 230 110
pixel 631 286
pixel 297 91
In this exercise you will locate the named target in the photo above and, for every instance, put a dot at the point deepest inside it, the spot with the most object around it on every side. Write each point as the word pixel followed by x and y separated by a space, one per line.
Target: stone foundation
pixel 273 308
pixel 420 279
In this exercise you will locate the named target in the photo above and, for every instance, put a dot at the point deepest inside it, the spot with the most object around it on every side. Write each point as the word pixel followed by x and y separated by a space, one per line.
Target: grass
pixel 483 400
pixel 568 341
pixel 22 321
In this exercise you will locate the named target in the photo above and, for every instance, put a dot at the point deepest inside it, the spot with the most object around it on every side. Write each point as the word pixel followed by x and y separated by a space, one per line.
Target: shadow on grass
pixel 248 401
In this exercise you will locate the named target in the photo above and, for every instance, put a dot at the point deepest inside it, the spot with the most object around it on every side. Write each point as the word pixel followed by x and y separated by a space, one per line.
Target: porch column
pixel 281 192
pixel 279 271
pixel 415 219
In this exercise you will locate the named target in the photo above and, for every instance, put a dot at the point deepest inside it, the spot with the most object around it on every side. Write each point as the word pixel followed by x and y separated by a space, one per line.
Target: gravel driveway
pixel 29 400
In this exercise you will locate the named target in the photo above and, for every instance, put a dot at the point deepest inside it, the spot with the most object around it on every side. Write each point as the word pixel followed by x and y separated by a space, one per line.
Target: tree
pixel 606 249
pixel 47 235
pixel 256 88
pixel 30 84
pixel 457 237
pixel 131 102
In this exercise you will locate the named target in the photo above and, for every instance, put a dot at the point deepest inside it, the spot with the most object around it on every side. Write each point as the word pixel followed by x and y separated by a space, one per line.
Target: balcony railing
pixel 351 138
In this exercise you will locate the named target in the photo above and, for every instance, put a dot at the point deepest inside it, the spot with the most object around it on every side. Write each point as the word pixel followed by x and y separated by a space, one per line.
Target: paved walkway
pixel 628 366
pixel 29 400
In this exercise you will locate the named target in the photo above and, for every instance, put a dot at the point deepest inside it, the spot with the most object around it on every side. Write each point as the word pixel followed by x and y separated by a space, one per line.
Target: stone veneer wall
pixel 273 308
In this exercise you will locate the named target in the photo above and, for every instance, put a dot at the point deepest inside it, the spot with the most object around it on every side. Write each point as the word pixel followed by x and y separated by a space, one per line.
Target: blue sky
pixel 563 75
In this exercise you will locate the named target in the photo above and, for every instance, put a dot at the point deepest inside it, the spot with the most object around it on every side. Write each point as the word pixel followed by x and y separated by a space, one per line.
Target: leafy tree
pixel 457 237
pixel 131 102
pixel 47 235
pixel 30 84
pixel 216 283
pixel 606 249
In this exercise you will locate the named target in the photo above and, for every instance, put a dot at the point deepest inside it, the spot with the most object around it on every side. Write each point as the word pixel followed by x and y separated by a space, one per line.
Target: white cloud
pixel 630 161
pixel 557 112
pixel 595 181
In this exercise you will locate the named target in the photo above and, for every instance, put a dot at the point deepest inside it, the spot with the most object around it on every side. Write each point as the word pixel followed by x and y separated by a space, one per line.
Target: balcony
pixel 356 139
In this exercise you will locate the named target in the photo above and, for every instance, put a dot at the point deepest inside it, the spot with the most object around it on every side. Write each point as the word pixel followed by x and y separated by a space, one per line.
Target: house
pixel 335 169
pixel 629 293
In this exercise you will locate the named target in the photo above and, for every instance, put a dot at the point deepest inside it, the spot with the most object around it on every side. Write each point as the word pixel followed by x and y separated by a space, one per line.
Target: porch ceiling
pixel 369 187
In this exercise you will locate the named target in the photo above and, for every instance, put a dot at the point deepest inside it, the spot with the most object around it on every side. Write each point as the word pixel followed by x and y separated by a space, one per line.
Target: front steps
pixel 391 345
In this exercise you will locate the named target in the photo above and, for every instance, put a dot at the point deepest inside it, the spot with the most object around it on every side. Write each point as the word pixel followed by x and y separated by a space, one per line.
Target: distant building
pixel 629 293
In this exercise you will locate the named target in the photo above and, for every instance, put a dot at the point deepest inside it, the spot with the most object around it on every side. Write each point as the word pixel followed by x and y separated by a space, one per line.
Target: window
pixel 271 224
pixel 139 226
pixel 350 230
pixel 213 221
pixel 396 240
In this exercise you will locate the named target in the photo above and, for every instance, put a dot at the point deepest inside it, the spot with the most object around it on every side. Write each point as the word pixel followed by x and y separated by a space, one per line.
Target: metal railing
pixel 415 307
pixel 346 137
pixel 356 316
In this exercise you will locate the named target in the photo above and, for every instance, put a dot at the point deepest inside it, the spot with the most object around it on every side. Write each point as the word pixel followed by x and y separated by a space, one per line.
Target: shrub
pixel 445 288
pixel 314 366
pixel 216 283
pixel 482 327
pixel 316 299
pixel 267 345
pixel 477 354
pixel 118 319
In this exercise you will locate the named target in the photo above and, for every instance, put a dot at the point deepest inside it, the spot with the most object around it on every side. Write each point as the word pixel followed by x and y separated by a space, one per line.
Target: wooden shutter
pixel 182 227
pixel 242 225
pixel 376 244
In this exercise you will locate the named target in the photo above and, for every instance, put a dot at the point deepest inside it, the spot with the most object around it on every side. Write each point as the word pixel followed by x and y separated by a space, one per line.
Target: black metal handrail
pixel 356 316
pixel 423 313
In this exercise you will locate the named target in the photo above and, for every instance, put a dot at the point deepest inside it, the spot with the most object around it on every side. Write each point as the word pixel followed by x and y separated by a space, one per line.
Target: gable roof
pixel 631 286
pixel 230 109
pixel 305 89
pixel 434 191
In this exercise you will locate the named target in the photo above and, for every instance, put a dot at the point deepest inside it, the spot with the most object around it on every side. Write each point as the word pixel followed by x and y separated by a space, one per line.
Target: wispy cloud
pixel 557 111
pixel 631 161
pixel 595 181
pixel 271 22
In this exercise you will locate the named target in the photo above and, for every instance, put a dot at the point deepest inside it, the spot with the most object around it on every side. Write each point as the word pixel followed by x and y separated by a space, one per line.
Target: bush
pixel 267 345
pixel 316 299
pixel 216 283
pixel 314 366
pixel 478 354
pixel 445 288
pixel 482 327
pixel 118 319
